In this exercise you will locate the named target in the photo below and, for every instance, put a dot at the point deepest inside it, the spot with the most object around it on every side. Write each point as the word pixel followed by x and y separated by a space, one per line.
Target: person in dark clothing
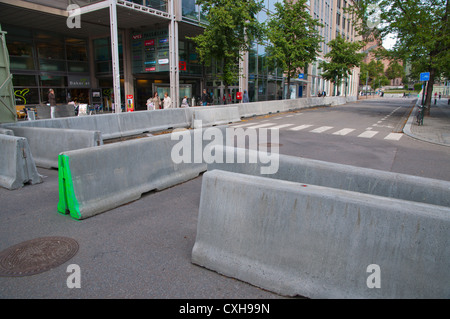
pixel 204 98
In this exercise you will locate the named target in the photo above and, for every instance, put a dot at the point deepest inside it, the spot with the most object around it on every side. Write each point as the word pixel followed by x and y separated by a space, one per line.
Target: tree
pixel 395 70
pixel 294 39
pixel 423 33
pixel 231 29
pixel 343 57
pixel 375 70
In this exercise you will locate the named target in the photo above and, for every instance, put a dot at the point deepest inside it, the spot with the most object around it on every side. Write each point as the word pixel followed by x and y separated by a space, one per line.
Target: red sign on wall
pixel 182 66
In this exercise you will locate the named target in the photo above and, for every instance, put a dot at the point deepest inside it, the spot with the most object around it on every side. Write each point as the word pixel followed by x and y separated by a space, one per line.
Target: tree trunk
pixel 429 92
pixel 288 93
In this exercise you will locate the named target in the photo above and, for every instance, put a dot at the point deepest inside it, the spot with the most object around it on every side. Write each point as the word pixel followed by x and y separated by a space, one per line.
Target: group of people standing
pixel 155 103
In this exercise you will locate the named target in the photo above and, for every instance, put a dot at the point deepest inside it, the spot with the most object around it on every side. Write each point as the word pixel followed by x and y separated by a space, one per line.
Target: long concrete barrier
pixel 17 166
pixel 319 242
pixel 6 131
pixel 47 143
pixel 339 176
pixel 278 106
pixel 211 116
pixel 98 179
pixel 126 124
pixel 118 125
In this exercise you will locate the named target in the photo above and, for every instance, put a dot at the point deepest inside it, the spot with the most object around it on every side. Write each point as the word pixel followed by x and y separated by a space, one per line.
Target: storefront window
pixel 53 81
pixel 26 96
pixel 82 67
pixel 21 54
pixel 51 50
pixel 76 53
pixel 51 65
pixel 24 80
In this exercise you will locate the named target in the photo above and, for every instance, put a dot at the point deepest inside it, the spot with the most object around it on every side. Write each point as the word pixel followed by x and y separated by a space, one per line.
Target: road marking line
pixel 262 125
pixel 321 129
pixel 344 131
pixel 280 126
pixel 368 134
pixel 394 136
pixel 299 128
pixel 242 125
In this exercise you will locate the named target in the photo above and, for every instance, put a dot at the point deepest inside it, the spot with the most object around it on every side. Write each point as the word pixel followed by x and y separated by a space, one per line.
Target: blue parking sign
pixel 425 76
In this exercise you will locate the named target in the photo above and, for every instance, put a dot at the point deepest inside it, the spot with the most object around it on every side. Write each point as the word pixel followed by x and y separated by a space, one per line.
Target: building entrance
pixel 219 95
pixel 184 90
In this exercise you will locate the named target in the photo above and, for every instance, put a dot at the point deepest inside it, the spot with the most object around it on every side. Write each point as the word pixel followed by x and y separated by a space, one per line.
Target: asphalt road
pixel 143 249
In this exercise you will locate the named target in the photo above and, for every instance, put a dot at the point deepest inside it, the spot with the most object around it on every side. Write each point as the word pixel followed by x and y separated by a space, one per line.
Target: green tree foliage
pixel 395 70
pixel 231 29
pixel 293 36
pixel 422 28
pixel 343 57
pixel 375 70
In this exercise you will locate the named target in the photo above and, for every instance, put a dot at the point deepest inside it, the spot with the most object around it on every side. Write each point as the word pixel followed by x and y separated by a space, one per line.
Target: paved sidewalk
pixel 436 126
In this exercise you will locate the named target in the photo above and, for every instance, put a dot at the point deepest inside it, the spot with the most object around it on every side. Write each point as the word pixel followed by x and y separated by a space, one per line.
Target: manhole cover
pixel 36 256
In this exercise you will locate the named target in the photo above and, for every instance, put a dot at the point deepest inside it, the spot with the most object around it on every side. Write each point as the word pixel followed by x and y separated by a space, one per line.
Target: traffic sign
pixel 301 76
pixel 425 76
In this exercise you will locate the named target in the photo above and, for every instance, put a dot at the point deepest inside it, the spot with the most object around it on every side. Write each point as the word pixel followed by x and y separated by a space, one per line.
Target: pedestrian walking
pixel 245 98
pixel 156 101
pixel 185 103
pixel 204 98
pixel 52 102
pixel 167 102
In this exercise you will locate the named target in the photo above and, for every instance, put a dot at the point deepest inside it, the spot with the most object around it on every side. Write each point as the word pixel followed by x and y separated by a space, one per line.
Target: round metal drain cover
pixel 36 256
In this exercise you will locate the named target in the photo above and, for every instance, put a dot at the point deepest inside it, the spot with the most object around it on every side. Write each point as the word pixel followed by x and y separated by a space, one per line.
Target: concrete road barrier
pixel 66 110
pixel 95 180
pixel 6 131
pixel 346 177
pixel 319 242
pixel 47 143
pixel 17 166
pixel 133 123
pixel 211 116
pixel 118 125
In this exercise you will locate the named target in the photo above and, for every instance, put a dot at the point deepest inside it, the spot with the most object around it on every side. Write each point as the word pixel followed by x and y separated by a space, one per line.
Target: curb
pixel 407 130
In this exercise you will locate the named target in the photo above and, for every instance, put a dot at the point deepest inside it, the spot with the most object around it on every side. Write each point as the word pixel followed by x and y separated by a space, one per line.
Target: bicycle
pixel 419 117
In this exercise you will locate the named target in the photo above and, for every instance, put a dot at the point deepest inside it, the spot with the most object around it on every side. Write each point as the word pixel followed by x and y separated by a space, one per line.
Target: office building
pixel 105 50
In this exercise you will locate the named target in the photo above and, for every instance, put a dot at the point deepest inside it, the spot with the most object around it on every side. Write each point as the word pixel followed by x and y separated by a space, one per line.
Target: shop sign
pixel 78 81
pixel 150 51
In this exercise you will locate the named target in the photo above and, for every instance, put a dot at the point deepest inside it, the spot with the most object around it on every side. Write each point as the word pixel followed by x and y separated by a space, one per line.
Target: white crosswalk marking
pixel 321 129
pixel 243 125
pixel 368 134
pixel 262 125
pixel 280 126
pixel 299 128
pixel 344 131
pixel 394 136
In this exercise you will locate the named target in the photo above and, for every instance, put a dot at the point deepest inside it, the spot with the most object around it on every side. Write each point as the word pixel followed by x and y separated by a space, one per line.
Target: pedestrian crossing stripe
pixel 321 129
pixel 262 125
pixel 368 134
pixel 301 127
pixel 344 131
pixel 280 126
pixel 394 136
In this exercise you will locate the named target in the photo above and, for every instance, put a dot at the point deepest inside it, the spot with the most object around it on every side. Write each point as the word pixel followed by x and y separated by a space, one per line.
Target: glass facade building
pixel 154 53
